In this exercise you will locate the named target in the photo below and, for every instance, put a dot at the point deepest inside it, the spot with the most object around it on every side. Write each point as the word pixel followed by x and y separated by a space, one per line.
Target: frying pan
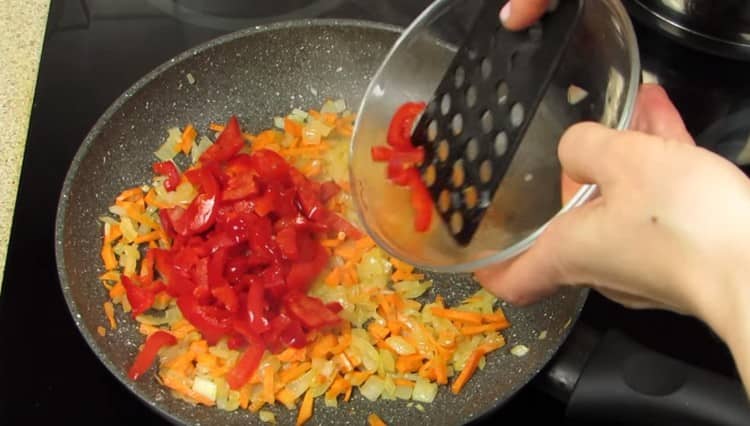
pixel 256 74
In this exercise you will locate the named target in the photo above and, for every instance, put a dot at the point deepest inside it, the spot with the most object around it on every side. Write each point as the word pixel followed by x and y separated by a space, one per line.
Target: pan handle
pixel 624 381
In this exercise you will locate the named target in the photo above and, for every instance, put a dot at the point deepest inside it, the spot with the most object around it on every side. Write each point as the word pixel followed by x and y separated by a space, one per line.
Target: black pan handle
pixel 614 379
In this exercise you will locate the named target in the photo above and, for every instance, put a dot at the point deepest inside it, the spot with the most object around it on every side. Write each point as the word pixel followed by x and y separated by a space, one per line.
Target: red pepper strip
pixel 227 144
pixel 140 299
pixel 147 355
pixel 211 321
pixel 256 303
pixel 310 311
pixel 421 202
pixel 381 153
pixel 400 129
pixel 246 365
pixel 168 169
pixel 328 190
pixel 227 296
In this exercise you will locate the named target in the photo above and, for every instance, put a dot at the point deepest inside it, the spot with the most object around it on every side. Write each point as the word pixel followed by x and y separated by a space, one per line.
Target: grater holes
pixel 457 124
pixel 486 68
pixel 501 144
pixel 472 149
pixel 432 130
pixel 430 175
pixel 502 93
pixel 471 198
pixel 459 77
pixel 445 104
pixel 471 96
pixel 485 171
pixel 473 54
pixel 444 201
pixel 486 121
pixel 517 114
pixel 457 223
pixel 443 150
pixel 459 174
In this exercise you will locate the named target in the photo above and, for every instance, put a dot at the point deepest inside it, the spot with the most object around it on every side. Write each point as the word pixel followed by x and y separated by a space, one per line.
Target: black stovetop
pixel 94 50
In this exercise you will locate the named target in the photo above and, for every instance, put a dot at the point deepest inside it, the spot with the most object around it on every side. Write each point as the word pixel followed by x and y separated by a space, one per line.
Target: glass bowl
pixel 599 73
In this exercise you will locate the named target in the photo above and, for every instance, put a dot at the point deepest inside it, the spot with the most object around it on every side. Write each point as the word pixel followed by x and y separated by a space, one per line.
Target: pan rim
pixel 106 116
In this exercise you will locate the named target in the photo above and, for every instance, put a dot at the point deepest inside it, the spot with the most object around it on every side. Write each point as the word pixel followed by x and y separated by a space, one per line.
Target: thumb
pixel 558 256
pixel 520 14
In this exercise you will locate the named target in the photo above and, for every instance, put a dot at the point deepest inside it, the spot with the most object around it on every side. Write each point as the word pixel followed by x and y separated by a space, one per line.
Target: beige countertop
pixel 22 23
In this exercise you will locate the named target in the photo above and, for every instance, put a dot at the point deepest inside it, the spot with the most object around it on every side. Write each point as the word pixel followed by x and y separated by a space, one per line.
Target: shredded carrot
pixel 403 382
pixel 244 397
pixel 374 420
pixel 471 366
pixel 456 315
pixel 181 388
pixel 110 276
pixel 268 385
pixel 187 139
pixel 333 278
pixel 339 386
pixel 322 346
pixel 151 236
pixel 108 256
pixel 109 310
pixel 441 369
pixel 292 354
pixel 348 394
pixel 101 331
pixel 292 127
pixel 359 377
pixel 409 363
pixel 131 194
pixel 215 127
pixel 331 243
pixel 293 372
pixel 306 410
pixel 152 201
pixel 286 397
pixel 497 316
pixel 471 330
pixel 378 331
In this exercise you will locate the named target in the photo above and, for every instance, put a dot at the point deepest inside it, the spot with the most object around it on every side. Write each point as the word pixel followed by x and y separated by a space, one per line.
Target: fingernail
pixel 505 12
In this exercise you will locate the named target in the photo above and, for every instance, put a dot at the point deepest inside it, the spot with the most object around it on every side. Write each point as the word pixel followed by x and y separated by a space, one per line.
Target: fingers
pixel 519 14
pixel 584 152
pixel 556 258
pixel 655 114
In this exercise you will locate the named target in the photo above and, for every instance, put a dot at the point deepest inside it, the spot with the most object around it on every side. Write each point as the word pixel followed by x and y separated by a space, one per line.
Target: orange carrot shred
pixel 456 315
pixel 374 420
pixel 109 310
pixel 471 366
pixel 293 372
pixel 471 330
pixel 187 139
pixel 403 382
pixel 101 331
pixel 408 363
pixel 268 385
pixel 306 410
pixel 378 331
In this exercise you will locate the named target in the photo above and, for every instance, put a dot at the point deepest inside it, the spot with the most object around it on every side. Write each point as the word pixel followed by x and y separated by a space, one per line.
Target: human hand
pixel 519 14
pixel 669 230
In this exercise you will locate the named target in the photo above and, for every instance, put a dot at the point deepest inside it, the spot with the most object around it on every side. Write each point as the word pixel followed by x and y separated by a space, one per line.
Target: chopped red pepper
pixel 403 159
pixel 400 129
pixel 249 238
pixel 140 298
pixel 168 169
pixel 148 354
pixel 247 364
pixel 227 144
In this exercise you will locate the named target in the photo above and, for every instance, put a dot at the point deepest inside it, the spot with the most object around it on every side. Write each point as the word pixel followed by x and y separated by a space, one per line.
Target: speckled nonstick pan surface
pixel 256 74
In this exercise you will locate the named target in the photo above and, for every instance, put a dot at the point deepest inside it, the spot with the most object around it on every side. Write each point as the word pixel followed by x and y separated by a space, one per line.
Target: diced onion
pixel 168 149
pixel 205 387
pixel 412 289
pixel 372 388
pixel 199 148
pixel 403 392
pixel 424 391
pixel 400 345
pixel 519 350
pixel 267 416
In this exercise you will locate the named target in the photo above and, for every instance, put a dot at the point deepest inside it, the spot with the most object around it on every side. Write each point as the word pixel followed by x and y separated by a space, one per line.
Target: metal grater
pixel 482 108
